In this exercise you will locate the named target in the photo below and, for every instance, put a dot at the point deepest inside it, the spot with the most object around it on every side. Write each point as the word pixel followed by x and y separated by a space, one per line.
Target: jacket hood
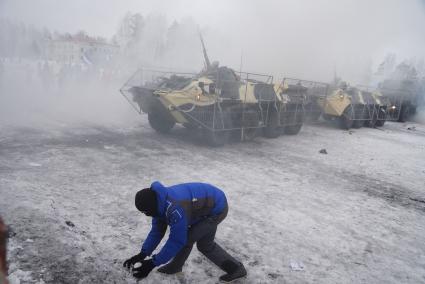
pixel 161 193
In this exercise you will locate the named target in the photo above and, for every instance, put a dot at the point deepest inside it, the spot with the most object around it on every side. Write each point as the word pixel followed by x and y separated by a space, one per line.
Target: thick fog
pixel 301 38
pixel 307 39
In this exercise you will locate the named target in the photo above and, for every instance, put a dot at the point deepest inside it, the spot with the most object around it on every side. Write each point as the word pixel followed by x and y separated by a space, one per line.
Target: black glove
pixel 135 259
pixel 144 270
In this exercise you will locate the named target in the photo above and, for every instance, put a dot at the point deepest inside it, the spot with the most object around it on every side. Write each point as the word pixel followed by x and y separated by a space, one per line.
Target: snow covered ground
pixel 354 215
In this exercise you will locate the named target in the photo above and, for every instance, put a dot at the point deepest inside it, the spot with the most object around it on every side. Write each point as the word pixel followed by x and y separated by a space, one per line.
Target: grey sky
pixel 299 37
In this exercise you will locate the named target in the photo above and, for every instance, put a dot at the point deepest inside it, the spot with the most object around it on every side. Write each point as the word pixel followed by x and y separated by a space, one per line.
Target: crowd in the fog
pixel 53 60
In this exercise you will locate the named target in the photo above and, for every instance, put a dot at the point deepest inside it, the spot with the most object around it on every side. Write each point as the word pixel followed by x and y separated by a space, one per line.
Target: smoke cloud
pixel 294 38
pixel 304 38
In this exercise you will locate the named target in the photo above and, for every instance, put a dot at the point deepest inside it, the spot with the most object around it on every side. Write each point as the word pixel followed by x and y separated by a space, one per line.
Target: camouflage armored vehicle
pixel 218 102
pixel 354 107
pixel 405 91
pixel 403 96
pixel 219 105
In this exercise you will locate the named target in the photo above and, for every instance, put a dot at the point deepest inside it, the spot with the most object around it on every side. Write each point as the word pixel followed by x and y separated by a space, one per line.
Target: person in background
pixel 3 263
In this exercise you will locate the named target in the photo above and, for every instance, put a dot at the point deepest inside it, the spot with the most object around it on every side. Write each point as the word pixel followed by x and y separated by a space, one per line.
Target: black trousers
pixel 203 234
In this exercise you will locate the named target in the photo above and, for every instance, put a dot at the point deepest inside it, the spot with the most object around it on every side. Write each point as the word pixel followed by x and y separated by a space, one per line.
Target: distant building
pixel 80 49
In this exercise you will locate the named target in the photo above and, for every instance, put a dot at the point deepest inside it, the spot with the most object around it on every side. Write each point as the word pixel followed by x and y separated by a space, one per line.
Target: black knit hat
pixel 146 202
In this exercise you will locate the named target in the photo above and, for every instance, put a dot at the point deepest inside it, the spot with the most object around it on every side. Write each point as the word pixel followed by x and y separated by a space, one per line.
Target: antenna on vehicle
pixel 240 66
pixel 206 59
pixel 336 78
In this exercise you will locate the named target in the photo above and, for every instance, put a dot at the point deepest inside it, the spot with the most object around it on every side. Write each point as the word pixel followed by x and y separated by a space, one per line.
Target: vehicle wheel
pixel 326 117
pixel 381 118
pixel 358 123
pixel 190 126
pixel 346 120
pixel 221 134
pixel 160 123
pixel 250 123
pixel 380 123
pixel 371 122
pixel 404 113
pixel 272 129
pixel 314 116
pixel 359 118
pixel 216 138
pixel 295 129
pixel 312 112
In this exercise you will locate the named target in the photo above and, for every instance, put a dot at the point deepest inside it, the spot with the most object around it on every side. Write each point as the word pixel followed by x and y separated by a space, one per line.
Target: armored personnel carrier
pixel 354 107
pixel 403 96
pixel 405 90
pixel 218 102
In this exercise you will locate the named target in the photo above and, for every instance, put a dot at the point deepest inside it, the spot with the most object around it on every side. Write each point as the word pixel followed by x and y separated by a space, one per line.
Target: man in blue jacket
pixel 193 212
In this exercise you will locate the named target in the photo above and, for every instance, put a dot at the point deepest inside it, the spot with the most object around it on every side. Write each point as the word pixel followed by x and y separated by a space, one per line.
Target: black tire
pixel 220 135
pixel 313 112
pixel 382 117
pixel 295 128
pixel 249 133
pixel 327 117
pixel 358 123
pixel 346 120
pixel 216 138
pixel 359 118
pixel 404 113
pixel 313 116
pixel 160 122
pixel 190 126
pixel 380 123
pixel 373 118
pixel 272 129
pixel 371 122
pixel 250 123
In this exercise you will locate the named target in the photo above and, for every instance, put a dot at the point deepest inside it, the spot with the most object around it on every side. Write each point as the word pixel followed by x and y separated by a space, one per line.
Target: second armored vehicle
pixel 354 107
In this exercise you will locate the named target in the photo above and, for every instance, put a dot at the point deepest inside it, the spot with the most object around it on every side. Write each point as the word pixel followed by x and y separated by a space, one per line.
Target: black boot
pixel 169 269
pixel 234 271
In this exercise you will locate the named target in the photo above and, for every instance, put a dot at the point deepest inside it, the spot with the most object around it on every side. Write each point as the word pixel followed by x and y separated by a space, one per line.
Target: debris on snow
pixel 323 151
pixel 274 275
pixel 413 128
pixel 69 223
pixel 297 265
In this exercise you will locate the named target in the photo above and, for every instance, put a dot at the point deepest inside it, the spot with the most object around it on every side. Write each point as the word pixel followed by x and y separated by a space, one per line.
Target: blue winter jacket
pixel 180 206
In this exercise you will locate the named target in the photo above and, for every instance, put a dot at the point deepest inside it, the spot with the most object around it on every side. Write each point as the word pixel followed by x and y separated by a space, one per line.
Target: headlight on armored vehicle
pixel 198 97
pixel 393 107
pixel 341 96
